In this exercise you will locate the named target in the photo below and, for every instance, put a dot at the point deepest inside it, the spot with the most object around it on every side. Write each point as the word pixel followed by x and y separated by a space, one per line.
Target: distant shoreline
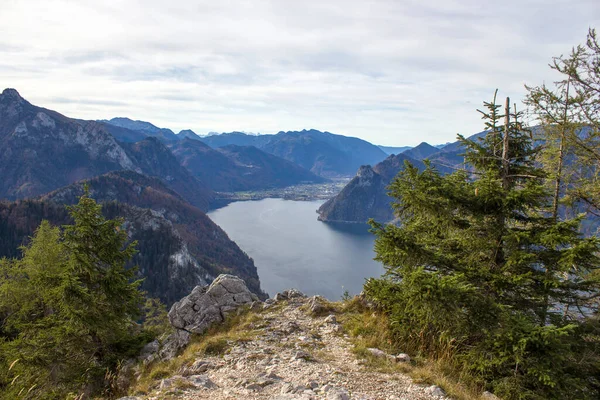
pixel 302 192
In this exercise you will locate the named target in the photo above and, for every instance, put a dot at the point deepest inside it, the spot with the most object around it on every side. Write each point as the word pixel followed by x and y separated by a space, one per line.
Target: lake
pixel 292 249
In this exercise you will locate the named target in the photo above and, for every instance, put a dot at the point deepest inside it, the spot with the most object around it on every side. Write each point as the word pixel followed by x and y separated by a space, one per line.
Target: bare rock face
pixel 209 304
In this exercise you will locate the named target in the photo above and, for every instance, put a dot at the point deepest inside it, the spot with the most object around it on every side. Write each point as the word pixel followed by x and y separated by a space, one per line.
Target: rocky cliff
pixel 43 150
pixel 365 196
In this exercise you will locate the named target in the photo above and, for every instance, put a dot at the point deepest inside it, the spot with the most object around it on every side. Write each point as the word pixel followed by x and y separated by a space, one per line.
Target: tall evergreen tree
pixel 68 307
pixel 479 271
pixel 569 114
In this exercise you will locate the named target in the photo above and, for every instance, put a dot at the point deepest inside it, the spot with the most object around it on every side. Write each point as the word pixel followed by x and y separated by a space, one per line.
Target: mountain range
pixel 366 195
pixel 323 153
pixel 159 182
pixel 43 150
pixel 235 168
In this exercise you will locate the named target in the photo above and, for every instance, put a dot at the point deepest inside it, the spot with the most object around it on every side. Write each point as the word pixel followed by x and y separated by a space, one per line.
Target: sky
pixel 392 72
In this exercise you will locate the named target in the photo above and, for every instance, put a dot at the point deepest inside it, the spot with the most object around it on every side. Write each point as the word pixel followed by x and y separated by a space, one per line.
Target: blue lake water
pixel 292 249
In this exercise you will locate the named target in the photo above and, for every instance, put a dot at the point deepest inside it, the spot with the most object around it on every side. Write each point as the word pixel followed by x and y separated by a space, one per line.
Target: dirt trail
pixel 292 356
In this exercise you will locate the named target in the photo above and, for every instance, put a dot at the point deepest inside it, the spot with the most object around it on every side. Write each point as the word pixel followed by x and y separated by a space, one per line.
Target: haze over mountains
pixel 159 182
pixel 365 196
pixel 323 153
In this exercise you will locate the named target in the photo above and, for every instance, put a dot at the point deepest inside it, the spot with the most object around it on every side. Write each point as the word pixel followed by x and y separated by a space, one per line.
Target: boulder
pixel 294 294
pixel 317 305
pixel 210 304
pixel 173 344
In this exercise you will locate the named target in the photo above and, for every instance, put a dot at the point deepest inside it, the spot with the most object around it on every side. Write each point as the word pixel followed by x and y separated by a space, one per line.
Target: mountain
pixel 365 196
pixel 236 138
pixel 153 158
pixel 179 247
pixel 143 127
pixel 422 151
pixel 43 150
pixel 267 170
pixel 450 155
pixel 238 168
pixel 123 134
pixel 188 133
pixel 322 153
pixel 389 150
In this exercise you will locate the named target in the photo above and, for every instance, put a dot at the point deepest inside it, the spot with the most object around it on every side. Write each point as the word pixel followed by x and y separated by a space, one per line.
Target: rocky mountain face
pixel 238 168
pixel 179 247
pixel 43 150
pixel 322 153
pixel 365 196
pixel 362 198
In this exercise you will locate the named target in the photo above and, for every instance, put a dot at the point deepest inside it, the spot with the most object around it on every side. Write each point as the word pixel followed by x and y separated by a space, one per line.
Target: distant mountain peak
pixel 144 127
pixel 11 97
pixel 11 94
pixel 422 151
pixel 188 134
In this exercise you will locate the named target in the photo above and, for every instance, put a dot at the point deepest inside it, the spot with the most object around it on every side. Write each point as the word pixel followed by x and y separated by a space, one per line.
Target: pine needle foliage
pixel 68 308
pixel 568 112
pixel 480 274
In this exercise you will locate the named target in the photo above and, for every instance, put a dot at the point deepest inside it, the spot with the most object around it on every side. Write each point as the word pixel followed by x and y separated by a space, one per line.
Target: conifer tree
pixel 478 270
pixel 569 115
pixel 68 308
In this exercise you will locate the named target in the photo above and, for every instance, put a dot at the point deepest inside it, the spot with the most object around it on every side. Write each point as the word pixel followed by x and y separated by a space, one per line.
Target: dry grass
pixel 369 329
pixel 216 341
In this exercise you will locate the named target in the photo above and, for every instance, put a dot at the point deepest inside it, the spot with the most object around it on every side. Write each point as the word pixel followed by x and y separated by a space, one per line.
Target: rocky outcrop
pixel 289 353
pixel 210 304
pixel 366 195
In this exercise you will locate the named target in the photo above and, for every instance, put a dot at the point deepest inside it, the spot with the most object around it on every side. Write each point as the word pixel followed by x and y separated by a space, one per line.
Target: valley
pixel 300 192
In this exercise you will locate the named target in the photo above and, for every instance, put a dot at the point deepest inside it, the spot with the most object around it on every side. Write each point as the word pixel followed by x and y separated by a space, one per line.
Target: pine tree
pixel 569 117
pixel 69 307
pixel 480 272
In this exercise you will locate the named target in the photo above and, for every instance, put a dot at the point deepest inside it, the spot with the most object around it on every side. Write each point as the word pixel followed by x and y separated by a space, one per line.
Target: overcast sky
pixel 392 72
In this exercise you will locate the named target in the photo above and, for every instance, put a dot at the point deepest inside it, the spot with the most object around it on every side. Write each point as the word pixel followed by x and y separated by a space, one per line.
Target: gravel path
pixel 294 356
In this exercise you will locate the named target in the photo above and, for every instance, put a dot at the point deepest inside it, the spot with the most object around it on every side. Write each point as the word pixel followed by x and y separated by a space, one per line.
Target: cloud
pixel 393 72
